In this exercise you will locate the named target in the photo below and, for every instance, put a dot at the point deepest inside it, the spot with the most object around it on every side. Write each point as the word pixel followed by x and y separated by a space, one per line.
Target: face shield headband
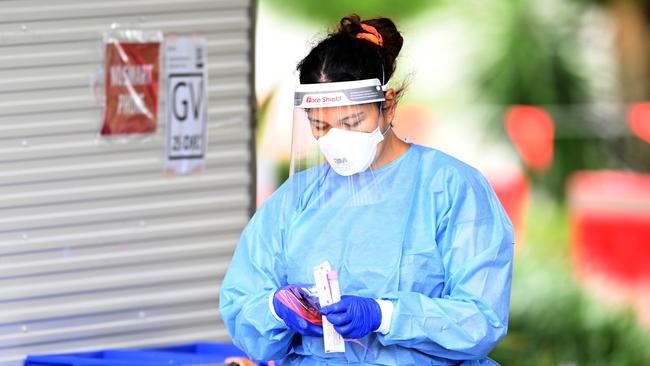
pixel 338 94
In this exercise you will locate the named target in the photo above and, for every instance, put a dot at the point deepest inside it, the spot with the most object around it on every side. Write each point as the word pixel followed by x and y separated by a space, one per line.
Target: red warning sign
pixel 131 81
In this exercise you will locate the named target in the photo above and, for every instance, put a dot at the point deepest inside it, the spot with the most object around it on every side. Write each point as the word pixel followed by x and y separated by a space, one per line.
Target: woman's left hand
pixel 354 316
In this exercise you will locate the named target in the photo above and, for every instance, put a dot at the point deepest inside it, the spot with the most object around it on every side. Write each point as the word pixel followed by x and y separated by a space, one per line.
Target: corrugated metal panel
pixel 98 248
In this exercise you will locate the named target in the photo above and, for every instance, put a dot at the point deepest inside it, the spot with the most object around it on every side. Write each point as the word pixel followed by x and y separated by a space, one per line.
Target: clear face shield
pixel 337 133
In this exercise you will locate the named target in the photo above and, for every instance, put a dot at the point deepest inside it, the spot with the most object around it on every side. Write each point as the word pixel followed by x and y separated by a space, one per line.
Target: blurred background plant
pixel 541 88
pixel 533 60
pixel 331 11
pixel 553 320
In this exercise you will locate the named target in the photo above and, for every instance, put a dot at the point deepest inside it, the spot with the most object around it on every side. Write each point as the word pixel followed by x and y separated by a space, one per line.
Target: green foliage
pixel 643 4
pixel 262 117
pixel 631 153
pixel 552 320
pixel 282 171
pixel 331 11
pixel 533 63
pixel 571 153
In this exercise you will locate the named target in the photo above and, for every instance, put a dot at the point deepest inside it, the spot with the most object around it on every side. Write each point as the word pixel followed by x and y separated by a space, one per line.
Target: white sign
pixel 187 104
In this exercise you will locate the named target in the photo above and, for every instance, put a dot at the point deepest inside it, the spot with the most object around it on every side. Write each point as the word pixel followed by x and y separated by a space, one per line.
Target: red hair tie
pixel 370 34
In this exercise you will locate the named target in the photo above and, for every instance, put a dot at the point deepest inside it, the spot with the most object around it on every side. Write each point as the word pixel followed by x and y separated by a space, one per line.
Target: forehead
pixel 341 111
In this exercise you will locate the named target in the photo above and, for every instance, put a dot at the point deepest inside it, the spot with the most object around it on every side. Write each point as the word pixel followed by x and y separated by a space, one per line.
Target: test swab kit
pixel 327 284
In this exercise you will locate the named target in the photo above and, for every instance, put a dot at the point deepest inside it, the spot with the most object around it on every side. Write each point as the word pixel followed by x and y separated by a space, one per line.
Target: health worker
pixel 422 246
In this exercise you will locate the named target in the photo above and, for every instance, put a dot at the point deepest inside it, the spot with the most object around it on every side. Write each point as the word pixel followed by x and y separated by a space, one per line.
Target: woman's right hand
pixel 294 321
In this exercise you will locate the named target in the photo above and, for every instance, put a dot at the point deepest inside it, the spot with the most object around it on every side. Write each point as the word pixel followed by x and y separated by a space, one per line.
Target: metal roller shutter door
pixel 98 248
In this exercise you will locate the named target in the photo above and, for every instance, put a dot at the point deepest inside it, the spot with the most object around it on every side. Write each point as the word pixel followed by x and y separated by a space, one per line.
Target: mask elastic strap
pixel 384 87
pixel 390 125
pixel 381 112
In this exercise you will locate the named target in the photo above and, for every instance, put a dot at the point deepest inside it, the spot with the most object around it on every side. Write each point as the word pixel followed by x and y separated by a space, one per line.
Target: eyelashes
pixel 319 126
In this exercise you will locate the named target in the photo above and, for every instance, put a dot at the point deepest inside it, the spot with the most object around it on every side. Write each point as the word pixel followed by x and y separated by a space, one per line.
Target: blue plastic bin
pixel 170 358
pixel 204 348
pixel 84 359
pixel 201 353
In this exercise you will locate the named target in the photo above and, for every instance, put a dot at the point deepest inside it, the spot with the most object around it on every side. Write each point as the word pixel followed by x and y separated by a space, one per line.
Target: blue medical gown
pixel 438 245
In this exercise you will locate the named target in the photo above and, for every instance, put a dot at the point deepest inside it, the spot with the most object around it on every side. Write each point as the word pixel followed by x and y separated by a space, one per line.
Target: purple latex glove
pixel 296 322
pixel 354 317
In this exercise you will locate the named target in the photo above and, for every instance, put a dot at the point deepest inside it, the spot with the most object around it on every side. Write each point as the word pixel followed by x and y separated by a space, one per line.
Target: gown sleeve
pixel 255 273
pixel 475 240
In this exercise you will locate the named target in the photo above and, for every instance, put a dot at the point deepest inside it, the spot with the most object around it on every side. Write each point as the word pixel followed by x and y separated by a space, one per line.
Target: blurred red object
pixel 639 120
pixel 610 225
pixel 512 189
pixel 531 130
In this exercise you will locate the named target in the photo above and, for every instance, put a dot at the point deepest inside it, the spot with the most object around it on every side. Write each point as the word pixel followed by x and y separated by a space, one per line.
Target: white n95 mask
pixel 336 132
pixel 350 152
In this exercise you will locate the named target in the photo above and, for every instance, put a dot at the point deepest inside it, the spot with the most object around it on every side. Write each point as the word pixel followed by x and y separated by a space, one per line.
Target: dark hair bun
pixel 393 41
pixel 343 56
